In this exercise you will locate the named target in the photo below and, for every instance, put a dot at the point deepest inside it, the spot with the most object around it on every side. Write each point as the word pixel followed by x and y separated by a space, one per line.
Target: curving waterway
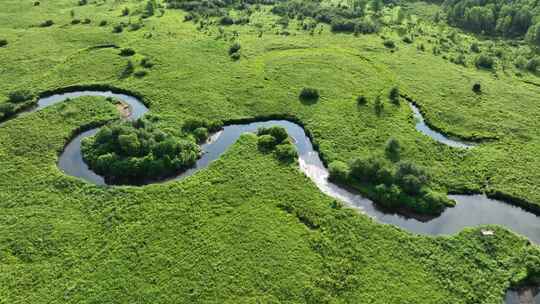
pixel 471 210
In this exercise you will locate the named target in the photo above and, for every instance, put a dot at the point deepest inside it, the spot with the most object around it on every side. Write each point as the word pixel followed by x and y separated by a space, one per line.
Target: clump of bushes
pixel 361 100
pixel 3 42
pixel 234 51
pixel 389 43
pixel 275 139
pixel 147 63
pixel 118 28
pixel 401 185
pixel 137 151
pixel 394 95
pixel 484 61
pixel 309 94
pixel 126 52
pixel 103 23
pixel 46 23
pixel 128 70
pixel 477 88
pixel 20 96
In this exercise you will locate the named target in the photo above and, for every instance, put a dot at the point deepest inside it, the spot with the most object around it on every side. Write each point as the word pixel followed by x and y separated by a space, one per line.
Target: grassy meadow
pixel 250 229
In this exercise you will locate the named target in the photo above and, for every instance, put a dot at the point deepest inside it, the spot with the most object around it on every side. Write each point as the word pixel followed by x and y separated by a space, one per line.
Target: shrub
pixel 200 134
pixel 128 70
pixel 75 21
pixel 118 29
pixel 389 44
pixel 226 20
pixel 140 74
pixel 393 149
pixel 266 142
pixel 279 133
pixel 83 2
pixel 103 23
pixel 532 65
pixel 125 11
pixel 286 152
pixel 235 56
pixel 477 88
pixel 366 26
pixel 127 52
pixel 46 23
pixel 191 124
pixel 394 95
pixel 378 105
pixel 146 63
pixel 86 21
pixel 407 39
pixel 484 61
pixel 309 94
pixel 411 177
pixel 234 48
pixel 3 42
pixel 20 96
pixel 475 48
pixel 338 171
pixel 365 169
pixel 361 100
pixel 6 109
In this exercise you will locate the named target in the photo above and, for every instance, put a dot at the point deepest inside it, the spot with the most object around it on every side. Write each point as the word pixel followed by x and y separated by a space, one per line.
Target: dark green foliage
pixel 140 74
pixel 508 19
pixel 86 21
pixel 234 48
pixel 103 23
pixel 125 11
pixel 20 96
pixel 7 109
pixel 128 70
pixel 338 171
pixel 118 29
pixel 147 63
pixel 190 125
pixel 361 100
pixel 149 9
pixel 276 139
pixel 532 65
pixel 407 39
pixel 3 42
pixel 378 106
pixel 394 95
pixel 286 152
pixel 477 88
pixel 75 21
pixel 533 34
pixel 126 52
pixel 411 177
pixel 365 169
pixel 389 44
pixel 200 134
pixel 279 133
pixel 475 48
pixel 131 152
pixel 484 61
pixel 266 142
pixel 46 23
pixel 309 94
pixel 235 56
pixel 393 149
pixel 226 20
pixel 83 2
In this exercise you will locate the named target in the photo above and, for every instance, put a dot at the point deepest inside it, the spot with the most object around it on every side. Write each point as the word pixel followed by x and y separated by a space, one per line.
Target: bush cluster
pixel 136 151
pixel 16 101
pixel 275 139
pixel 309 94
pixel 3 42
pixel 403 185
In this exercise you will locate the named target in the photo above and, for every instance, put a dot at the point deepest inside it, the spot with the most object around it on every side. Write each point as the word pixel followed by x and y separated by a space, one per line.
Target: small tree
pixel 286 152
pixel 378 106
pixel 394 95
pixel 3 42
pixel 309 94
pixel 361 100
pixel 393 149
pixel 477 88
pixel 266 142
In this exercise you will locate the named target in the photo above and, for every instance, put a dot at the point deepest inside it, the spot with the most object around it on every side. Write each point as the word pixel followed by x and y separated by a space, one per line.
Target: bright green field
pixel 222 235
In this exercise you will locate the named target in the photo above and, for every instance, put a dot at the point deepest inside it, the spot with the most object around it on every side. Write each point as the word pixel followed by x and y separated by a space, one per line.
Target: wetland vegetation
pixel 250 226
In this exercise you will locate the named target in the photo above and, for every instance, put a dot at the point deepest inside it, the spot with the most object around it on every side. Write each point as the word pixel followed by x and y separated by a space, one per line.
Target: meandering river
pixel 471 210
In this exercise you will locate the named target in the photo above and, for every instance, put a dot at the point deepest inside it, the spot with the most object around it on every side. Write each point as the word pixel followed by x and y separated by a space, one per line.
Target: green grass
pixel 223 235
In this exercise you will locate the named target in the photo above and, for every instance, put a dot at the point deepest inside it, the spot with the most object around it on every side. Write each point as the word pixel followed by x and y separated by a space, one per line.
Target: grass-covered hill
pixel 250 228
